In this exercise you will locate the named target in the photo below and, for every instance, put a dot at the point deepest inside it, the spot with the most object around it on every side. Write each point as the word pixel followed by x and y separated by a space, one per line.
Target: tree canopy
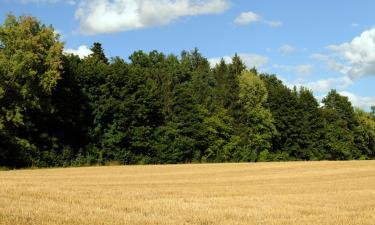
pixel 58 109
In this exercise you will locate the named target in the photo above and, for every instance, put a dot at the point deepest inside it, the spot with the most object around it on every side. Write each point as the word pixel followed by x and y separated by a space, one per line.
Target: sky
pixel 319 44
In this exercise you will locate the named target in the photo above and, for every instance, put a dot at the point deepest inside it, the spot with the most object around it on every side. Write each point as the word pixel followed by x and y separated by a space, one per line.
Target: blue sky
pixel 318 44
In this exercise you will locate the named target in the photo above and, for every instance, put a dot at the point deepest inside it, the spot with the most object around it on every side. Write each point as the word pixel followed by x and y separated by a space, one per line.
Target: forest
pixel 59 110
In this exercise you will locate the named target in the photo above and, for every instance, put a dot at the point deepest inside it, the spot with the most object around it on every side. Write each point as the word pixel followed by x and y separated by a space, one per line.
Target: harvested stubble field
pixel 262 193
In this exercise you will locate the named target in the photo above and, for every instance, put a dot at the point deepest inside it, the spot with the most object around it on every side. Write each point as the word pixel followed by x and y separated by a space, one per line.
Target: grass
pixel 263 193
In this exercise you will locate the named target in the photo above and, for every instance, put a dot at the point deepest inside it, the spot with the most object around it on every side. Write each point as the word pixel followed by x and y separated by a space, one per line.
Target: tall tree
pixel 342 106
pixel 221 74
pixel 283 103
pixel 232 89
pixel 366 130
pixel 98 52
pixel 58 110
pixel 310 126
pixel 255 122
pixel 340 128
pixel 30 67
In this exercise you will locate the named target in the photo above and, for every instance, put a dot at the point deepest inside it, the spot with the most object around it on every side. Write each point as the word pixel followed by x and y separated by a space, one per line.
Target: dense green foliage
pixel 59 110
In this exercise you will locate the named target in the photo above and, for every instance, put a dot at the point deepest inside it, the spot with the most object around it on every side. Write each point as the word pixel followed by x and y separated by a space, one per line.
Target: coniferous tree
pixel 221 74
pixel 310 126
pixel 232 90
pixel 283 103
pixel 340 127
pixel 60 110
pixel 98 52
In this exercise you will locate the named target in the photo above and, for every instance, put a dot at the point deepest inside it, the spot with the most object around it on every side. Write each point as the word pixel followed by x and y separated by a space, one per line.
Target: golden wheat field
pixel 263 193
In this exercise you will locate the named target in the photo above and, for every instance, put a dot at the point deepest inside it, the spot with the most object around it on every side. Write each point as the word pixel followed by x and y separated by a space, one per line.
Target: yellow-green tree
pixel 30 66
pixel 366 130
pixel 255 121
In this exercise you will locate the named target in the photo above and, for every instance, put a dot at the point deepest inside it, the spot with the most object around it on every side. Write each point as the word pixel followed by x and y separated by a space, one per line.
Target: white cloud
pixel 325 85
pixel 321 57
pixel 359 101
pixel 254 60
pixel 303 69
pixel 355 59
pixel 70 2
pixel 214 61
pixel 82 51
pixel 246 18
pixel 250 60
pixel 105 16
pixel 274 23
pixel 287 49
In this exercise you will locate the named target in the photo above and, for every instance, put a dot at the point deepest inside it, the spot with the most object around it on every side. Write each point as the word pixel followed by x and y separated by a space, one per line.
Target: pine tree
pixel 283 103
pixel 98 52
pixel 232 89
pixel 340 128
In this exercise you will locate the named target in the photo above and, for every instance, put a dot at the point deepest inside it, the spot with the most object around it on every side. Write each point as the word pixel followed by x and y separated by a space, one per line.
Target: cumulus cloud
pixel 246 18
pixel 105 16
pixel 82 51
pixel 319 56
pixel 70 2
pixel 254 60
pixel 355 59
pixel 359 101
pixel 250 60
pixel 325 85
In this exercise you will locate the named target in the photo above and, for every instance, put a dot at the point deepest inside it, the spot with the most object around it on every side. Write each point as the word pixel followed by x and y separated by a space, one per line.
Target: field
pixel 262 193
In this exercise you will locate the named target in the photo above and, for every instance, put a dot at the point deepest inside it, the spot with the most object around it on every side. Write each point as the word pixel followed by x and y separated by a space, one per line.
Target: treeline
pixel 59 110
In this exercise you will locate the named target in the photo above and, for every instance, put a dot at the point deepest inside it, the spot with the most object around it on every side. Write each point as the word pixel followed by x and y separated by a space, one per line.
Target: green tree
pixel 342 106
pixel 298 121
pixel 310 127
pixel 128 110
pixel 232 89
pixel 341 127
pixel 98 52
pixel 221 73
pixel 366 130
pixel 30 68
pixel 219 136
pixel 58 110
pixel 255 122
pixel 283 103
pixel 338 142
